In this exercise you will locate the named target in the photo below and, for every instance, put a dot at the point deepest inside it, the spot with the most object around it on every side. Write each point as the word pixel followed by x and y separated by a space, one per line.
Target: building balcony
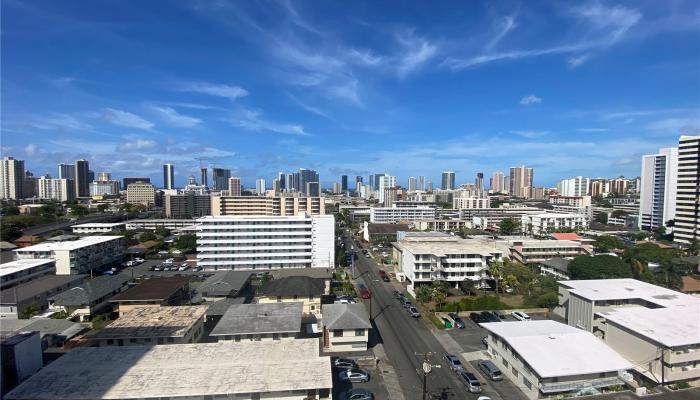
pixel 558 387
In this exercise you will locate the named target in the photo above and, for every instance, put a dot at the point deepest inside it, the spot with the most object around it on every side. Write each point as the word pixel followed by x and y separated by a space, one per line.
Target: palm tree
pixel 423 294
pixel 670 273
pixel 495 270
pixel 468 286
pixel 439 292
pixel 512 282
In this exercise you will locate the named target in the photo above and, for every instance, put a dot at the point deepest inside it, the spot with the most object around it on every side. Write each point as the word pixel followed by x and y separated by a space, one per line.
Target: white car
pixel 520 316
pixel 139 260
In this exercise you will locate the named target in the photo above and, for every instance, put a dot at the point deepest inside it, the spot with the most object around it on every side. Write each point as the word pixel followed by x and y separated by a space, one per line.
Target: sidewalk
pixel 391 380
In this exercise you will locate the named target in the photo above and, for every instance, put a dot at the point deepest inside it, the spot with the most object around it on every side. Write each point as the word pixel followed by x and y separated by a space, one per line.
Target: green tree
pixel 10 231
pixel 102 207
pixel 186 242
pixel 601 217
pixel 162 232
pixel 618 213
pixel 598 267
pixel 439 292
pixel 508 226
pixel 548 300
pixel 424 294
pixel 496 272
pixel 78 211
pixel 670 273
pixel 29 311
pixel 650 252
pixel 146 236
pixel 468 286
pixel 693 247
pixel 10 209
pixel 512 282
pixel 606 243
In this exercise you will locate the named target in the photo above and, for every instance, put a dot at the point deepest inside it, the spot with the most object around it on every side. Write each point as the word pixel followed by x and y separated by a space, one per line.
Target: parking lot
pixel 375 384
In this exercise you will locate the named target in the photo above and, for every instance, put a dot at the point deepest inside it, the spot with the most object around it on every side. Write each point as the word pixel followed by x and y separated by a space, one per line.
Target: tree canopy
pixel 606 243
pixel 650 252
pixel 508 226
pixel 598 267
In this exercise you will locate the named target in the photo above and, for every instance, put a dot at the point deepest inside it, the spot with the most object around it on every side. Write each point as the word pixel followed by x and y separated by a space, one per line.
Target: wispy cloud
pixel 530 100
pixel 253 120
pixel 577 61
pixel 676 126
pixel 134 143
pixel 126 119
pixel 174 118
pixel 592 130
pixel 530 134
pixel 214 89
pixel 59 121
pixel 307 107
pixel 416 51
pixel 503 27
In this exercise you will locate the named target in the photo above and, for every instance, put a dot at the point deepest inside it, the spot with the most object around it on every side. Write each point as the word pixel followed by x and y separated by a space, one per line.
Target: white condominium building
pixel 385 182
pixel 77 256
pixel 573 187
pixel 543 223
pixel 11 178
pixel 536 251
pixel 266 242
pixel 461 202
pixel 55 189
pixel 657 199
pixel 400 214
pixel 424 259
pixel 687 219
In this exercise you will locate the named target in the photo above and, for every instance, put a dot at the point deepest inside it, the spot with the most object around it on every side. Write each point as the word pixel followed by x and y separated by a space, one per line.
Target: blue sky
pixel 408 88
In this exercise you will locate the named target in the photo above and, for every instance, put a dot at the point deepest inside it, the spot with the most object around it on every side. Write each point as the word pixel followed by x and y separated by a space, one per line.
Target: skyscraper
pixel 657 199
pixel 358 178
pixel 497 183
pixel 203 176
pixel 306 176
pixel 412 184
pixel 385 182
pixel 448 180
pixel 234 186
pixel 82 178
pixel 260 186
pixel 282 178
pixel 344 183
pixel 577 186
pixel 103 176
pixel 377 179
pixel 313 189
pixel 220 178
pixel 66 171
pixel 11 178
pixel 421 183
pixel 168 176
pixel 479 181
pixel 521 181
pixel 687 220
pixel 292 183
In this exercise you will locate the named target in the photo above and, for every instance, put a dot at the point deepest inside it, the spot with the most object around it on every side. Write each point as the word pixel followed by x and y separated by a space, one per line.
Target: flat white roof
pixel 547 243
pixel 670 327
pixel 445 245
pixel 553 349
pixel 622 289
pixel 299 217
pixel 203 369
pixel 69 244
pixel 20 265
pixel 100 225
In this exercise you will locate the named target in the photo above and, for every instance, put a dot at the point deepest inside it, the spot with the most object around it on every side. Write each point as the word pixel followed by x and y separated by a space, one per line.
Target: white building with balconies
pixel 393 215
pixel 266 242
pixel 77 256
pixel 544 223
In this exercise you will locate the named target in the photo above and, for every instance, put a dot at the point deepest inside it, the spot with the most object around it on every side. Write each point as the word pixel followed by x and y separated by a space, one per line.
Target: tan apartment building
pixel 266 205
pixel 537 251
pixel 141 193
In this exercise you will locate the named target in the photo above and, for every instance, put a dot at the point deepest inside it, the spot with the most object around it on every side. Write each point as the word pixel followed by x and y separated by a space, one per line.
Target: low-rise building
pixel 53 332
pixel 545 358
pixel 225 284
pixel 20 271
pixel 98 227
pixel 155 292
pixel 151 326
pixel 443 225
pixel 294 289
pixel 86 299
pixel 656 329
pixel 393 215
pixel 544 223
pixel 280 369
pixel 77 256
pixel 153 224
pixel 555 267
pixel 34 295
pixel 345 327
pixel 21 357
pixel 326 274
pixel 262 321
pixel 375 233
pixel 537 251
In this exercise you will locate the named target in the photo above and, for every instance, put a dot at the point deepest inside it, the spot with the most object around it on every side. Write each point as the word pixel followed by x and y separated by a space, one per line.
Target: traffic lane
pixel 413 339
pixel 505 388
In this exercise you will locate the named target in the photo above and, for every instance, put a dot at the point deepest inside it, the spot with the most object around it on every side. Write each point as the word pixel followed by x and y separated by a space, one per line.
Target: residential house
pixel 345 327
pixel 294 289
pixel 85 300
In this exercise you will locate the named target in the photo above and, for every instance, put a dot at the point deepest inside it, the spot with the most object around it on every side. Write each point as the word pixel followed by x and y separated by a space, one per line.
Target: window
pixel 337 333
pixel 275 336
pixel 505 362
pixel 515 371
pixel 359 332
pixel 527 383
pixel 171 340
pixel 110 341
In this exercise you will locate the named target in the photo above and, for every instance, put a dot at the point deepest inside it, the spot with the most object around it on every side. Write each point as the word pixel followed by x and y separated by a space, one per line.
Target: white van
pixel 520 316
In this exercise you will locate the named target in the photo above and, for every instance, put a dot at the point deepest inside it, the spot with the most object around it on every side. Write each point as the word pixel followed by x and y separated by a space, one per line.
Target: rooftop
pixel 570 351
pixel 224 284
pixel 621 289
pixel 69 245
pixel 156 289
pixel 181 370
pixel 566 236
pixel 322 273
pixel 444 246
pixel 37 287
pixel 152 322
pixel 242 319
pixel 560 264
pixel 666 326
pixel 45 326
pixel 301 286
pixel 100 225
pixel 21 265
pixel 690 285
pixel 386 229
pixel 91 290
pixel 545 243
pixel 345 316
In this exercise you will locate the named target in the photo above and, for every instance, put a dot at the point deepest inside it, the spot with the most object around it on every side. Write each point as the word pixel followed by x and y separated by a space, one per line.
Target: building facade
pixel 82 178
pixel 141 193
pixel 544 223
pixel 168 176
pixel 234 186
pixel 521 180
pixel 657 198
pixel 55 189
pixel 687 217
pixel 11 178
pixel 77 256
pixel 268 205
pixel 448 180
pixel 20 271
pixel 399 214
pixel 187 205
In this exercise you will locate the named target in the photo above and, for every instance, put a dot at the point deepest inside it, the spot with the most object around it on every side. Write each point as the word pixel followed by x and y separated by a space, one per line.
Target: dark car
pixel 487 316
pixel 413 312
pixel 459 323
pixel 344 363
pixel 364 292
pixel 357 394
pixel 476 317
pixel 384 276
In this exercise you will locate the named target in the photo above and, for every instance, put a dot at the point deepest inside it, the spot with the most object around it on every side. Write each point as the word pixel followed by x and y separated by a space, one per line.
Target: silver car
pixel 357 394
pixel 354 375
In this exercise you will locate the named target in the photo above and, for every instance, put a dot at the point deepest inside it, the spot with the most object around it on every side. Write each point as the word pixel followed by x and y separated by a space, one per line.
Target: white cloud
pixel 59 121
pixel 530 134
pixel 253 120
pixel 676 126
pixel 31 149
pixel 592 130
pixel 530 100
pixel 309 108
pixel 127 119
pixel 137 143
pixel 365 57
pixel 416 51
pixel 215 89
pixel 577 61
pixel 503 26
pixel 174 118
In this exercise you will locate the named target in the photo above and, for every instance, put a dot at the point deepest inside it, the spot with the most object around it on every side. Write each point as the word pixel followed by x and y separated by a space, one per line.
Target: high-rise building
pixel 385 182
pixel 82 178
pixel 497 183
pixel 344 183
pixel 276 186
pixel 220 178
pixel 204 177
pixel 687 219
pixel 260 186
pixel 306 176
pixel 168 176
pixel 142 193
pixel 292 183
pixel 377 179
pixel 390 196
pixel 421 183
pixel 336 188
pixel 575 187
pixel 313 189
pixel 104 176
pixel 412 182
pixel 521 181
pixel 11 178
pixel 66 171
pixel 657 200
pixel 448 180
pixel 618 186
pixel 282 178
pixel 234 186
pixel 598 187
pixel 429 186
pixel 479 181
pixel 30 185
pixel 104 188
pixel 358 178
pixel 187 205
pixel 55 189
pixel 133 179
pixel 91 175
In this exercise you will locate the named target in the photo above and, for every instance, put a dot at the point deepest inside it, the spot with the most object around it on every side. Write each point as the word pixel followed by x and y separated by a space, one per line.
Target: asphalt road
pixel 406 339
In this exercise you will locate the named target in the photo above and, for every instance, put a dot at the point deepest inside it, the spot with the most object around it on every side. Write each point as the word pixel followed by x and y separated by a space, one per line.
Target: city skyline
pixel 384 93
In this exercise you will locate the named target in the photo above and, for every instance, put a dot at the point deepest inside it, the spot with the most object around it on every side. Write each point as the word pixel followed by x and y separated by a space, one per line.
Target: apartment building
pixel 574 187
pixel 572 205
pixel 77 256
pixel 442 225
pixel 187 205
pixel 448 180
pixel 14 302
pixel 537 251
pixel 20 271
pixel 98 227
pixel 424 259
pixel 262 321
pixel 492 217
pixel 104 188
pixel 400 214
pixel 521 179
pixel 266 242
pixel 141 193
pixel 543 223
pixel 55 189
pixel 657 197
pixel 545 358
pixel 280 369
pixel 470 201
pixel 656 329
pixel 687 218
pixel 153 224
pixel 267 205
pixel 11 178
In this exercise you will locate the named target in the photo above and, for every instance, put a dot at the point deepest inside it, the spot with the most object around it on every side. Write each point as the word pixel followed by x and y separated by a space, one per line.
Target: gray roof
pixel 295 286
pixel 386 229
pixel 45 326
pixel 242 319
pixel 559 264
pixel 322 273
pixel 219 308
pixel 7 245
pixel 224 284
pixel 37 287
pixel 345 316
pixel 90 291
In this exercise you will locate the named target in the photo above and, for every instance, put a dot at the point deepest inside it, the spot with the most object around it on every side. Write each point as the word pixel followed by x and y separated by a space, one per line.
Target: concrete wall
pixel 311 306
pixel 348 342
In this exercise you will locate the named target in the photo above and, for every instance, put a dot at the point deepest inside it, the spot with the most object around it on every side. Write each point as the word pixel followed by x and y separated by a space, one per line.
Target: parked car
pixel 354 375
pixel 483 398
pixel 500 314
pixel 139 260
pixel 407 304
pixel 476 317
pixel 396 293
pixel 520 316
pixel 384 276
pixel 453 362
pixel 357 394
pixel 364 292
pixel 470 381
pixel 491 370
pixel 345 300
pixel 183 268
pixel 414 312
pixel 459 323
pixel 344 363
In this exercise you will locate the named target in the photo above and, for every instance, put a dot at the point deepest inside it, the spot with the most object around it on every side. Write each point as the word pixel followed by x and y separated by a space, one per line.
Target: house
pixel 35 294
pixel 267 321
pixel 294 289
pixel 318 273
pixel 84 300
pixel 690 286
pixel 225 284
pixel 156 292
pixel 545 358
pixel 345 327
pixel 280 369
pixel 27 240
pixel 555 267
pixel 53 332
pixel 153 325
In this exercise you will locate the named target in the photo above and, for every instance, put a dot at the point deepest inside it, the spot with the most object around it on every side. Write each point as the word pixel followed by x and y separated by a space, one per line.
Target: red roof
pixel 566 236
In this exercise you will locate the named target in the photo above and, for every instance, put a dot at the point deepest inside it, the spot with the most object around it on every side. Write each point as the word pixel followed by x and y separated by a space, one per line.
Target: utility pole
pixel 427 369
